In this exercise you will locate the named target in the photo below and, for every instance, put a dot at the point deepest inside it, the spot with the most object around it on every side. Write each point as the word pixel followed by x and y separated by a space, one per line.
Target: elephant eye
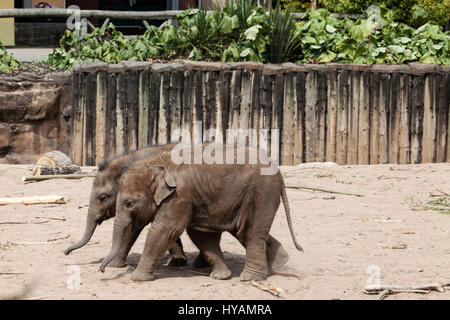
pixel 103 198
pixel 129 203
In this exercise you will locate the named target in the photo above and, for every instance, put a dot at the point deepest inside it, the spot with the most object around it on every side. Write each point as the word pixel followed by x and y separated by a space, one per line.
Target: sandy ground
pixel 348 240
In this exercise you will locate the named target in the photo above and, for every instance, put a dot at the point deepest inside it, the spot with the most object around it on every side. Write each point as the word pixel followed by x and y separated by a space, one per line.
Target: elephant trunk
pixel 120 225
pixel 91 224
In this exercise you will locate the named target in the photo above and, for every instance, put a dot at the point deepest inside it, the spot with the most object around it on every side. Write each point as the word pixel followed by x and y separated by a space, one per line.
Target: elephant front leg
pixel 163 231
pixel 131 234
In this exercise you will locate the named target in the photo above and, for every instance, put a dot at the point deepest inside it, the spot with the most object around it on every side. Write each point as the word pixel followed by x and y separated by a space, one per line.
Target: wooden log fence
pixel 345 113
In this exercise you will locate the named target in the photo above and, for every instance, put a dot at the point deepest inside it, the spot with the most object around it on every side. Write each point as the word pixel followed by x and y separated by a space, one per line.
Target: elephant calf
pixel 206 200
pixel 102 205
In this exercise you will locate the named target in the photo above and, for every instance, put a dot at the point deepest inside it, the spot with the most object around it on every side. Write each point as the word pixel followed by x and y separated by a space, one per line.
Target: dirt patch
pixel 348 240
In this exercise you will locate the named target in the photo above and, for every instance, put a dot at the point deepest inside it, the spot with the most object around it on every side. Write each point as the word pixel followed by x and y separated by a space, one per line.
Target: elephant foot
pixel 200 262
pixel 220 273
pixel 117 263
pixel 140 276
pixel 176 261
pixel 246 275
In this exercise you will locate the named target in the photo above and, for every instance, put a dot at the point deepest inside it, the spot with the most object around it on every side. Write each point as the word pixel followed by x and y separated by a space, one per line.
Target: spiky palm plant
pixel 284 43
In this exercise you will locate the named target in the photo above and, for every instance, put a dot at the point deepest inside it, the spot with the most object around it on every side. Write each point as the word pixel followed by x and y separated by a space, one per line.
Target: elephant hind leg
pixel 177 257
pixel 256 236
pixel 208 244
pixel 276 254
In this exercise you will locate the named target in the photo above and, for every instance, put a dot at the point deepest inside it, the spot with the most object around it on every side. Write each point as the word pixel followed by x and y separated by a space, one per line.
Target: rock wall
pixel 34 115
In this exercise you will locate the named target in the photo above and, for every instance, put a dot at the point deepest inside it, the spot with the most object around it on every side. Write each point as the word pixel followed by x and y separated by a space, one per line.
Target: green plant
pixel 284 40
pixel 412 12
pixel 245 32
pixel 7 61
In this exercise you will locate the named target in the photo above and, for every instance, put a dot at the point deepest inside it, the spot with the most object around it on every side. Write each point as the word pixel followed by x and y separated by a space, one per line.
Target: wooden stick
pixel 385 290
pixel 15 222
pixel 33 200
pixel 57 176
pixel 272 290
pixel 56 218
pixel 324 190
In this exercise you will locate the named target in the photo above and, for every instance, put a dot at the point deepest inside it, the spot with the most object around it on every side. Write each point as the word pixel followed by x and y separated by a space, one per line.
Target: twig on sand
pixel 199 272
pixel 272 290
pixel 35 298
pixel 17 222
pixel 324 190
pixel 57 176
pixel 51 218
pixel 385 290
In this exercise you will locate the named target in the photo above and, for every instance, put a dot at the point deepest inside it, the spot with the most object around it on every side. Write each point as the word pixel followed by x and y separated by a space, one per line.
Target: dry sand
pixel 347 240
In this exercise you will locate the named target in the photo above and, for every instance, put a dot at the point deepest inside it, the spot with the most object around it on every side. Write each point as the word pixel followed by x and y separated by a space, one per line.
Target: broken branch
pixel 33 200
pixel 384 290
pixel 59 176
pixel 324 190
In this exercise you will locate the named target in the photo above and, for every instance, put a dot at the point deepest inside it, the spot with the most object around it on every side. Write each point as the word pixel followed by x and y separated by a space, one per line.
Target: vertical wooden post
pixel 89 119
pixel 332 89
pixel 164 111
pixel 374 85
pixel 405 119
pixel 144 104
pixel 121 134
pixel 384 117
pixel 131 110
pixel 277 111
pixel 154 100
pixel 188 101
pixel 100 124
pixel 299 143
pixel 321 116
pixel 429 122
pixel 111 114
pixel 77 118
pixel 311 118
pixel 416 103
pixel 394 121
pixel 235 88
pixel 289 120
pixel 342 116
pixel 363 120
pixel 175 101
pixel 442 105
pixel 353 117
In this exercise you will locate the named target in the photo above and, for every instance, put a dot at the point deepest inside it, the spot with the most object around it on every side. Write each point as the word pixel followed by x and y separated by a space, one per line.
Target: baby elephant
pixel 204 199
pixel 102 205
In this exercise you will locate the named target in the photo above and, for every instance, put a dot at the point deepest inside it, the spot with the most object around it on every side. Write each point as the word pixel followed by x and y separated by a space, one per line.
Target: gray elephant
pixel 204 200
pixel 102 205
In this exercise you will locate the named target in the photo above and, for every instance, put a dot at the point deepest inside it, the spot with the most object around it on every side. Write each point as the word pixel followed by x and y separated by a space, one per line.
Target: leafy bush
pixel 412 12
pixel 243 31
pixel 7 61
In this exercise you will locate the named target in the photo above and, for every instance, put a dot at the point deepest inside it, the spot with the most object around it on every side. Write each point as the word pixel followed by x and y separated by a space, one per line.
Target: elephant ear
pixel 164 185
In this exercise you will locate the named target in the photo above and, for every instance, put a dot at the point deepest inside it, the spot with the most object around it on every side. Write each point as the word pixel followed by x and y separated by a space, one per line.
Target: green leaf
pixel 245 52
pixel 396 49
pixel 195 54
pixel 363 30
pixel 327 57
pixel 229 23
pixel 252 32
pixel 330 28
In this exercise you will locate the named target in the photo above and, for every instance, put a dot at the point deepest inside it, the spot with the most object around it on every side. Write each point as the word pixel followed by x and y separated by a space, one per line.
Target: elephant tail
pixel 287 211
